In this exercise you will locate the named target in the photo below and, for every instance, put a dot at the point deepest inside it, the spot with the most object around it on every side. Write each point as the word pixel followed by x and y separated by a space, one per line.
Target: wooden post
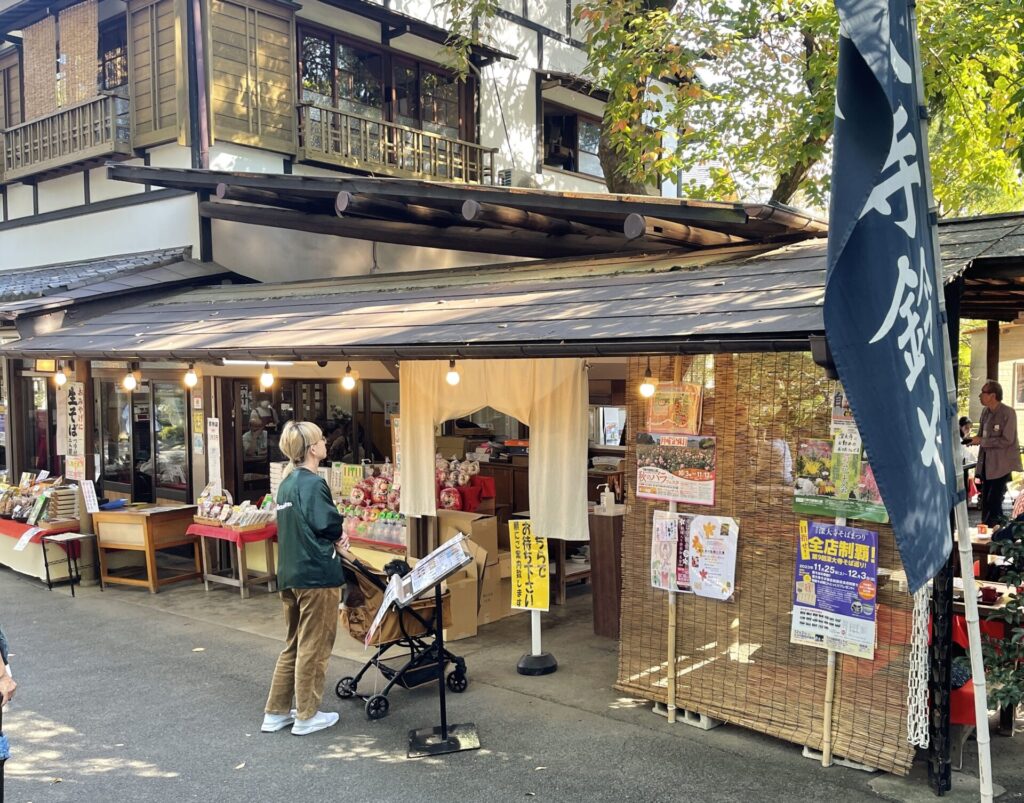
pixel 992 351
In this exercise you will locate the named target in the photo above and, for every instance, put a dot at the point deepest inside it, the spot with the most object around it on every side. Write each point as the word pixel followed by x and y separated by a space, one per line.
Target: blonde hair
pixel 297 438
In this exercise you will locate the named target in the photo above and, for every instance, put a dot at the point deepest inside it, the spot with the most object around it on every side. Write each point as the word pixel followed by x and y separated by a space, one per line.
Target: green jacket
pixel 308 524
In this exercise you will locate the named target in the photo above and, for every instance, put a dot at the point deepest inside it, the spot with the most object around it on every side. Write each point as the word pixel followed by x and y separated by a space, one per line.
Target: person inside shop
pixel 965 430
pixel 7 684
pixel 310 577
pixel 254 440
pixel 998 451
pixel 265 411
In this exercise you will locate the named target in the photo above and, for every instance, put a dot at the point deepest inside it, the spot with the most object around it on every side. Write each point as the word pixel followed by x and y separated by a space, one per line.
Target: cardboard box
pixel 481 530
pixel 504 563
pixel 495 599
pixel 464 587
pixel 451 445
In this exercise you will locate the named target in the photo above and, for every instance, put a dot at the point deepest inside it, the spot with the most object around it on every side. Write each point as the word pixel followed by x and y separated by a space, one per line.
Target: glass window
pixel 40 432
pixel 440 99
pixel 317 70
pixel 360 88
pixel 407 98
pixel 113 55
pixel 1018 384
pixel 571 142
pixel 589 139
pixel 170 426
pixel 114 422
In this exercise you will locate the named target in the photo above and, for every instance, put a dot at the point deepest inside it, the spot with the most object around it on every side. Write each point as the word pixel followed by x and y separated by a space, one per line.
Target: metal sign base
pixel 429 742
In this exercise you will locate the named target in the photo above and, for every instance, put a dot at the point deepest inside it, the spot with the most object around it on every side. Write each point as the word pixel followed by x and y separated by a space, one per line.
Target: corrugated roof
pixel 742 297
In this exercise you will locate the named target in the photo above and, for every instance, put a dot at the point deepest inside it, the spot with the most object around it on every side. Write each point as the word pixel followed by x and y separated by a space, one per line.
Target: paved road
pixel 124 701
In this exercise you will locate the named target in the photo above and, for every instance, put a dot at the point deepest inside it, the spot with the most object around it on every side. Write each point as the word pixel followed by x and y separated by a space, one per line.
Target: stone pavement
pixel 159 697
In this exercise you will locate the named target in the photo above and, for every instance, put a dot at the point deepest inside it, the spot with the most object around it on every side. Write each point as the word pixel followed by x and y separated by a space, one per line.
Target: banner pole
pixel 670 692
pixel 963 533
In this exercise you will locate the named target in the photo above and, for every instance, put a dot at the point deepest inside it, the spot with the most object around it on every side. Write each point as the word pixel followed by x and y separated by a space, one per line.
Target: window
pixel 571 141
pixel 171 437
pixel 1018 384
pixel 359 79
pixel 113 55
pixel 317 70
pixel 114 424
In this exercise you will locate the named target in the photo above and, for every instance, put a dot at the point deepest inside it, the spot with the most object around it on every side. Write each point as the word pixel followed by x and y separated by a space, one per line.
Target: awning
pixel 747 298
pixel 988 252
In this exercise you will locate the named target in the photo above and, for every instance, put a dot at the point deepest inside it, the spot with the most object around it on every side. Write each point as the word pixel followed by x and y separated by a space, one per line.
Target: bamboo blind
pixel 734 659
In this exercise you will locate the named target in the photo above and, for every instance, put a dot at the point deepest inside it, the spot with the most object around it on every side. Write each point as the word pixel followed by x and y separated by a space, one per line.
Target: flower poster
pixel 834 603
pixel 675 468
pixel 713 546
pixel 833 478
pixel 675 409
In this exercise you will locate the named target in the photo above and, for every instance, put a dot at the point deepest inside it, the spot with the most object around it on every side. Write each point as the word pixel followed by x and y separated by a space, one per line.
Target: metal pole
pixel 439 646
pixel 963 539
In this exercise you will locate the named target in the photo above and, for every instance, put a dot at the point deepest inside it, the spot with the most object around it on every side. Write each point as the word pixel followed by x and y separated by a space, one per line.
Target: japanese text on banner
pixel 530 577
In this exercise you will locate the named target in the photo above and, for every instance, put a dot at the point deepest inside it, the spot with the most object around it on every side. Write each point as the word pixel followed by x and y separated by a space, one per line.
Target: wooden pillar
pixel 992 351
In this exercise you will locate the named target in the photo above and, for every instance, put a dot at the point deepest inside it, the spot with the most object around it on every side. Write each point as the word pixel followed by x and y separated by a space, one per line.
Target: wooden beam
pixel 509 242
pixel 636 226
pixel 514 217
pixel 992 351
pixel 348 203
pixel 231 192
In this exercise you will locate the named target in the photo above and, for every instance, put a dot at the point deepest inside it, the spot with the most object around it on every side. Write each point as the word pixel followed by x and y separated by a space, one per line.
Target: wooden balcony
pixel 330 136
pixel 70 137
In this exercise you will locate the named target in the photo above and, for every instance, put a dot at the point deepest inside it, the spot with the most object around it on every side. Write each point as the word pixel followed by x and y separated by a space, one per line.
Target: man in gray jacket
pixel 999 453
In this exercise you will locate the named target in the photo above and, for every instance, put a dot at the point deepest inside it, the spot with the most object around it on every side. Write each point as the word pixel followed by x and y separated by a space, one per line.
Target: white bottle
pixel 607 500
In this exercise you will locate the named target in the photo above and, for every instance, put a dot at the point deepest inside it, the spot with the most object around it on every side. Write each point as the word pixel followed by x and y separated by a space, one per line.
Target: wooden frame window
pixel 377 82
pixel 113 54
pixel 571 140
pixel 1018 384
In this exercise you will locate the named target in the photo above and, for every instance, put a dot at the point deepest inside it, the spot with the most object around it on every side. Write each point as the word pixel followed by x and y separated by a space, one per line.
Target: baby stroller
pixel 408 633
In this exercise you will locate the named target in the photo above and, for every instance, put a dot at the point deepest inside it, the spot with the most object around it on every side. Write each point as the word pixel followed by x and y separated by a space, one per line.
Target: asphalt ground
pixel 124 695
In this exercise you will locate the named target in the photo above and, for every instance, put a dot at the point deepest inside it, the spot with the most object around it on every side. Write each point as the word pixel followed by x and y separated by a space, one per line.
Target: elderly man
pixel 999 452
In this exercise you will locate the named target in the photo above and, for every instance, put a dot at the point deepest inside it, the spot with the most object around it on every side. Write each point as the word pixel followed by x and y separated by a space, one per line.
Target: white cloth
pixel 550 396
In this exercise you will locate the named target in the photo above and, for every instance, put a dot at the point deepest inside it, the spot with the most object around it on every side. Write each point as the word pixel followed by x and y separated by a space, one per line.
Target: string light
pixel 648 386
pixel 452 377
pixel 191 379
pixel 348 381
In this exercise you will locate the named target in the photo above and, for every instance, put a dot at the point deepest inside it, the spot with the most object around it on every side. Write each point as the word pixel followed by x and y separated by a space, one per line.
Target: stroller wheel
pixel 457 681
pixel 346 687
pixel 377 707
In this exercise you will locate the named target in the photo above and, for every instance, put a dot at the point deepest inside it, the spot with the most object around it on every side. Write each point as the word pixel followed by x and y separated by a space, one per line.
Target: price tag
pixel 25 539
pixel 42 475
pixel 89 492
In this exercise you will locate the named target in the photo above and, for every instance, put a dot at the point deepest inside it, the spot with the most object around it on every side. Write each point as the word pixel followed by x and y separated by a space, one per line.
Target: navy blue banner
pixel 882 303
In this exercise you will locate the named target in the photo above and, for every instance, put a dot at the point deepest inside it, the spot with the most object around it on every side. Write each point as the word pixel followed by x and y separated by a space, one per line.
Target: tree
pixel 749 85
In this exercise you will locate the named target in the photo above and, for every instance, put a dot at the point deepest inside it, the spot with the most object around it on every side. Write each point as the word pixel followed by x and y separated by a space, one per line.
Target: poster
pixel 675 468
pixel 530 578
pixel 76 421
pixel 834 596
pixel 92 504
pixel 675 408
pixel 213 457
pixel 713 547
pixel 197 422
pixel 670 551
pixel 74 467
pixel 390 411
pixel 836 482
pixel 351 474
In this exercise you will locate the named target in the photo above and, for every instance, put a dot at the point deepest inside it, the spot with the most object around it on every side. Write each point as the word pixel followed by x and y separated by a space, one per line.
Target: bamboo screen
pixel 734 659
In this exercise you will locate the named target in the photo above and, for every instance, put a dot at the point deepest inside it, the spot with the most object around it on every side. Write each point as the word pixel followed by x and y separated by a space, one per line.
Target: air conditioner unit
pixel 511 177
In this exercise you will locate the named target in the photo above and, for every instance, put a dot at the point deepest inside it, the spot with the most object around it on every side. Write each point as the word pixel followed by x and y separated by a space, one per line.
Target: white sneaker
pixel 317 722
pixel 276 722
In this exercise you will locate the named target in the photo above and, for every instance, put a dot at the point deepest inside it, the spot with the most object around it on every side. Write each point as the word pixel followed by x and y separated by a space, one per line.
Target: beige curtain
pixel 550 396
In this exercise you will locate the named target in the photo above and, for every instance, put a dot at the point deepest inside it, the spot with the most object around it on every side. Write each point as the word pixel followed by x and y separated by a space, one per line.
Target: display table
pixel 33 560
pixel 146 529
pixel 238 573
pixel 71 543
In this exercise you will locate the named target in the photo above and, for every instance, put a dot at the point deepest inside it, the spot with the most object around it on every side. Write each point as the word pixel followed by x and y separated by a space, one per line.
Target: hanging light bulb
pixel 452 377
pixel 348 381
pixel 131 381
pixel 60 378
pixel 648 385
pixel 266 378
pixel 191 379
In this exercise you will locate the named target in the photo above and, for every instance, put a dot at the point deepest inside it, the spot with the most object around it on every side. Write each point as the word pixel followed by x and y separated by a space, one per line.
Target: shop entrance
pixel 39 446
pixel 143 440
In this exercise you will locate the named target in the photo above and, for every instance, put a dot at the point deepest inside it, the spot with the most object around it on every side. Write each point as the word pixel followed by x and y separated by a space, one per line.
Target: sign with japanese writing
pixel 835 483
pixel 675 468
pixel 884 312
pixel 713 545
pixel 351 475
pixel 76 419
pixel 834 598
pixel 26 538
pixel 670 551
pixel 530 578
pixel 74 467
pixel 213 466
pixel 675 408
pixel 62 421
pixel 92 504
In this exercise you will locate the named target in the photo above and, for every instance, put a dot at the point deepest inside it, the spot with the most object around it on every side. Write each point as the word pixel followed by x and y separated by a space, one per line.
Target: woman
pixel 310 577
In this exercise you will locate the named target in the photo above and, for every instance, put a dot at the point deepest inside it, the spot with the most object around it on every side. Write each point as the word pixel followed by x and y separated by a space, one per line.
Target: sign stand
pixel 536 662
pixel 444 738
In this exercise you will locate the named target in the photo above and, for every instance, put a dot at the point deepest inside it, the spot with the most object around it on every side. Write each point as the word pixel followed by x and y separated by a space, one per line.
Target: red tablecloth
pixel 16 529
pixel 996 630
pixel 235 537
pixel 961 705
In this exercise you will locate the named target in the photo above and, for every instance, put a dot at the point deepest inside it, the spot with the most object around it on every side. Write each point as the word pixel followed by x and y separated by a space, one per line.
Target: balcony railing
pixel 336 137
pixel 94 129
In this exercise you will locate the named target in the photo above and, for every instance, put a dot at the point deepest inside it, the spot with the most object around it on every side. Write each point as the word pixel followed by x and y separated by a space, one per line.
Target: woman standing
pixel 310 577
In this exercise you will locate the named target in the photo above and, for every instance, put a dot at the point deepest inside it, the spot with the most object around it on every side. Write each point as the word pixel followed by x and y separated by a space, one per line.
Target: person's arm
pixel 7 684
pixel 321 514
